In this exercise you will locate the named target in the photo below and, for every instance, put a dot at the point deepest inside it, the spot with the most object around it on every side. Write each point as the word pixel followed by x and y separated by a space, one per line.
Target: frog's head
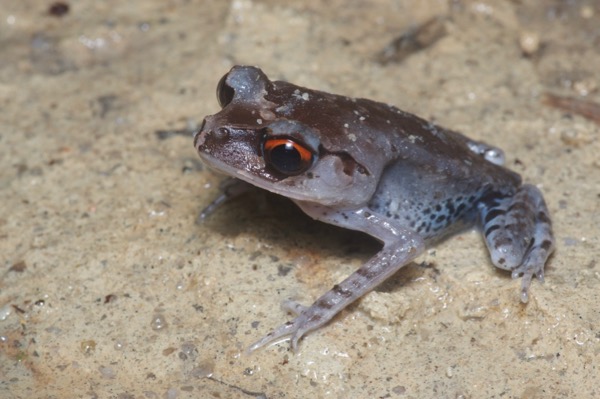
pixel 265 135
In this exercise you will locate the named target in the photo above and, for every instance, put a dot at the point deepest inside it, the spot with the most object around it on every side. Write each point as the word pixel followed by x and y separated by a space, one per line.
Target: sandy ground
pixel 109 289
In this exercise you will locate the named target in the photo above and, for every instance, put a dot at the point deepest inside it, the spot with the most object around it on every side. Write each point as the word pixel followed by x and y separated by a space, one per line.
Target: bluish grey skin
pixel 371 167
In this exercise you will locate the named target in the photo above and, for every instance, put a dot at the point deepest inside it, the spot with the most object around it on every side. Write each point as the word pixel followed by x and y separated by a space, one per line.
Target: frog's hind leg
pixel 518 234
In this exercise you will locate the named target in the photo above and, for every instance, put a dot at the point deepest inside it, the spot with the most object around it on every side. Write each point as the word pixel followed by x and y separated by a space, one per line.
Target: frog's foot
pixel 305 321
pixel 518 234
pixel 403 247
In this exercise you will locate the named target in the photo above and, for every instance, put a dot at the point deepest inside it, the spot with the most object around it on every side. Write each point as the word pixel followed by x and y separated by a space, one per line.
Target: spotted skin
pixel 518 234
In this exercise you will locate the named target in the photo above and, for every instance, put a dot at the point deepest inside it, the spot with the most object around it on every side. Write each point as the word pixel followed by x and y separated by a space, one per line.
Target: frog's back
pixel 376 134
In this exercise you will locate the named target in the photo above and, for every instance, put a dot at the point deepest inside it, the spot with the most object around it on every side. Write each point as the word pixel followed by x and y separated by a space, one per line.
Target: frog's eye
pixel 287 155
pixel 224 92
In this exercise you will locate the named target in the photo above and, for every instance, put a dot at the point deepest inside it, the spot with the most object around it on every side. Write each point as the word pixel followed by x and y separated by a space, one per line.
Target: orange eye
pixel 287 156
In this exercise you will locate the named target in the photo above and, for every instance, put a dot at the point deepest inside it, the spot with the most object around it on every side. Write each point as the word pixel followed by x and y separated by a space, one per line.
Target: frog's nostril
pixel 221 133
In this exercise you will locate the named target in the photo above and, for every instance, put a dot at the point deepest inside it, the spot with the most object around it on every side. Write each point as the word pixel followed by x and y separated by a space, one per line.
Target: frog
pixel 371 167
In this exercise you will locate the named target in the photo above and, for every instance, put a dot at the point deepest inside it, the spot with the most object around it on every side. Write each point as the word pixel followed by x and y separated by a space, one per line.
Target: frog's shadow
pixel 279 222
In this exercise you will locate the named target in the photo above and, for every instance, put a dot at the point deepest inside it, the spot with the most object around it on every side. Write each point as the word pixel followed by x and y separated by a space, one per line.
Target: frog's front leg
pixel 518 233
pixel 231 188
pixel 400 247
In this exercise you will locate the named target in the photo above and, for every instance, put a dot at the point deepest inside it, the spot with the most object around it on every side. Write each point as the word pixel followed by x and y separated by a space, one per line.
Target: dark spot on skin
pixel 438 208
pixel 502 241
pixel 450 207
pixel 491 229
pixel 493 214
pixel 531 243
pixel 546 245
pixel 501 261
pixel 426 211
pixel 324 304
pixel 342 291
pixel 366 273
pixel 542 217
pixel 440 219
pixel 459 209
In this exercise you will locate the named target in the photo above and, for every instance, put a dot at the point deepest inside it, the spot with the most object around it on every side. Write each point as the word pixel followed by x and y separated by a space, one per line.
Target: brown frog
pixel 371 167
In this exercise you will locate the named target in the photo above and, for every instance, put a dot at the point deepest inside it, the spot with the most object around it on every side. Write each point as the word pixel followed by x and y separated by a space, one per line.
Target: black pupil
pixel 286 158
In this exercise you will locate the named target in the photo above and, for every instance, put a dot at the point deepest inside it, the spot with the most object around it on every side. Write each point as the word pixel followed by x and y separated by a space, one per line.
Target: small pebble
pixel 529 42
pixel 5 311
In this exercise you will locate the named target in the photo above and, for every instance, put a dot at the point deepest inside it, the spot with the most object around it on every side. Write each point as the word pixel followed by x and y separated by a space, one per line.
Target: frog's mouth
pixel 281 186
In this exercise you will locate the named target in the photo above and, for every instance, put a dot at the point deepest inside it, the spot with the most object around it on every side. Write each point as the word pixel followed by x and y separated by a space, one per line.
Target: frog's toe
pixel 526 271
pixel 295 329
pixel 291 328
pixel 282 331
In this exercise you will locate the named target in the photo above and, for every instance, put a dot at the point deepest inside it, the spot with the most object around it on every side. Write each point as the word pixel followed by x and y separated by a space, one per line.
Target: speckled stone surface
pixel 110 289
